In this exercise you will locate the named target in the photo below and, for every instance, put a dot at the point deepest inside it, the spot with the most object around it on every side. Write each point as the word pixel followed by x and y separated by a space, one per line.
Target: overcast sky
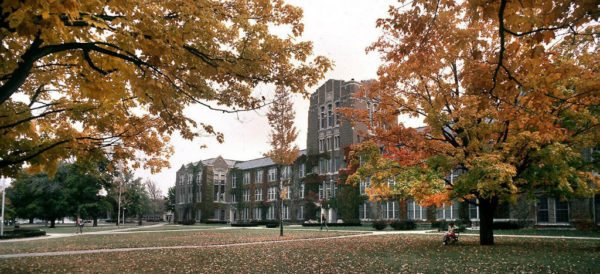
pixel 341 32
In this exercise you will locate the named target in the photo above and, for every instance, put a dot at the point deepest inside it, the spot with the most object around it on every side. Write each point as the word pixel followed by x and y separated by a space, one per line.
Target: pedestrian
pixel 324 222
pixel 80 225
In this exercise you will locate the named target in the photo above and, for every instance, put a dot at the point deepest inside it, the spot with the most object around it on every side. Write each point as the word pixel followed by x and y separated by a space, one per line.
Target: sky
pixel 339 31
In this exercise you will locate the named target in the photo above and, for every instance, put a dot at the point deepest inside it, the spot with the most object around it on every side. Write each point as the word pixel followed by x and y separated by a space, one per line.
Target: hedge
pixel 23 233
pixel 403 225
pixel 332 224
pixel 380 225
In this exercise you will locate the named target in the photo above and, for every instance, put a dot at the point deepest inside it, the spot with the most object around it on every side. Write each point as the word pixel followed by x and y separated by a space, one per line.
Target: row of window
pixel 286 173
pixel 328 118
pixel 329 143
pixel 270 214
pixel 271 194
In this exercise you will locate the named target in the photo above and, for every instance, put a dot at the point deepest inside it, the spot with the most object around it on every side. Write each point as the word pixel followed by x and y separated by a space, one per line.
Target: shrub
pixel 507 225
pixel 22 233
pixel 272 225
pixel 584 225
pixel 188 222
pixel 354 223
pixel 443 225
pixel 403 225
pixel 214 222
pixel 380 225
pixel 244 224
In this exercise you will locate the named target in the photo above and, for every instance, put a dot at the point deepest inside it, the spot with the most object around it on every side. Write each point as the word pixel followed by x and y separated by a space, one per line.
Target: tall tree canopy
pixel 283 135
pixel 509 94
pixel 79 75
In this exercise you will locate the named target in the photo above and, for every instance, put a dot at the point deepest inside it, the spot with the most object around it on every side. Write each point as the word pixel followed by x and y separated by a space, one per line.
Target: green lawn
pixel 119 240
pixel 373 254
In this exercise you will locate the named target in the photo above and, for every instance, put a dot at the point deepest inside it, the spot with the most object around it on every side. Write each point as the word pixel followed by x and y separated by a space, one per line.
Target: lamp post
pixel 3 181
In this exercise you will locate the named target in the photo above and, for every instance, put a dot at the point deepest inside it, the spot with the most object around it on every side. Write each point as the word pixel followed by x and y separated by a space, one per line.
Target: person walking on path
pixel 324 222
pixel 79 226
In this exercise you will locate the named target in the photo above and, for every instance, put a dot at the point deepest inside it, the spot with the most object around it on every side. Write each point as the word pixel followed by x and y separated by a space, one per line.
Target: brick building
pixel 242 191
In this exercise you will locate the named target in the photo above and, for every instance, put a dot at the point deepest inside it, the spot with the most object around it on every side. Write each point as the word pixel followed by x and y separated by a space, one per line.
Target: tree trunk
pixel 139 219
pixel 486 220
pixel 31 220
pixel 52 222
pixel 95 221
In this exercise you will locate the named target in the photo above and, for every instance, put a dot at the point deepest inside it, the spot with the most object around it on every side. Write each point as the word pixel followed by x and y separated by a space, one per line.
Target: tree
pixel 156 197
pixel 283 135
pixel 508 92
pixel 38 196
pixel 79 76
pixel 170 202
pixel 83 183
pixel 136 199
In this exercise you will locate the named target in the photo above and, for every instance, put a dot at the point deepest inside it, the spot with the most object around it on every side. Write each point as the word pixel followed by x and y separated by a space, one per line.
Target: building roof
pixel 211 161
pixel 260 162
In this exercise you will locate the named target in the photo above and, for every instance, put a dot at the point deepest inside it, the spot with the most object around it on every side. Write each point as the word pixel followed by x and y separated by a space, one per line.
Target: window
pixel 562 211
pixel 302 171
pixel 233 198
pixel 233 181
pixel 259 176
pixel 301 194
pixel 286 172
pixel 246 195
pixel 321 145
pixel 473 211
pixel 336 142
pixel 199 177
pixel 257 213
pixel 272 176
pixel 321 194
pixel 300 213
pixel 246 179
pixel 285 211
pixel 219 186
pixel 415 211
pixel 323 118
pixel 337 114
pixel 363 211
pixel 272 193
pixel 542 214
pixel 288 192
pixel 329 115
pixel 364 185
pixel 271 212
pixel 328 145
pixel 390 210
pixel 245 215
pixel 447 212
pixel 258 195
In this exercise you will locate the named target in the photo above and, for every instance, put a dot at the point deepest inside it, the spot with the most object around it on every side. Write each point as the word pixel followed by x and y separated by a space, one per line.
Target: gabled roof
pixel 211 161
pixel 261 162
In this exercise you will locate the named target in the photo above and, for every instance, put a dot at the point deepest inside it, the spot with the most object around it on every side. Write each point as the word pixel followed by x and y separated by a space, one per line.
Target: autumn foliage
pixel 77 76
pixel 508 92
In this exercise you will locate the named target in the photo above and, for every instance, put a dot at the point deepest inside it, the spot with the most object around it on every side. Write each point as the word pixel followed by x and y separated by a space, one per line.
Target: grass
pixel 372 254
pixel 127 240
